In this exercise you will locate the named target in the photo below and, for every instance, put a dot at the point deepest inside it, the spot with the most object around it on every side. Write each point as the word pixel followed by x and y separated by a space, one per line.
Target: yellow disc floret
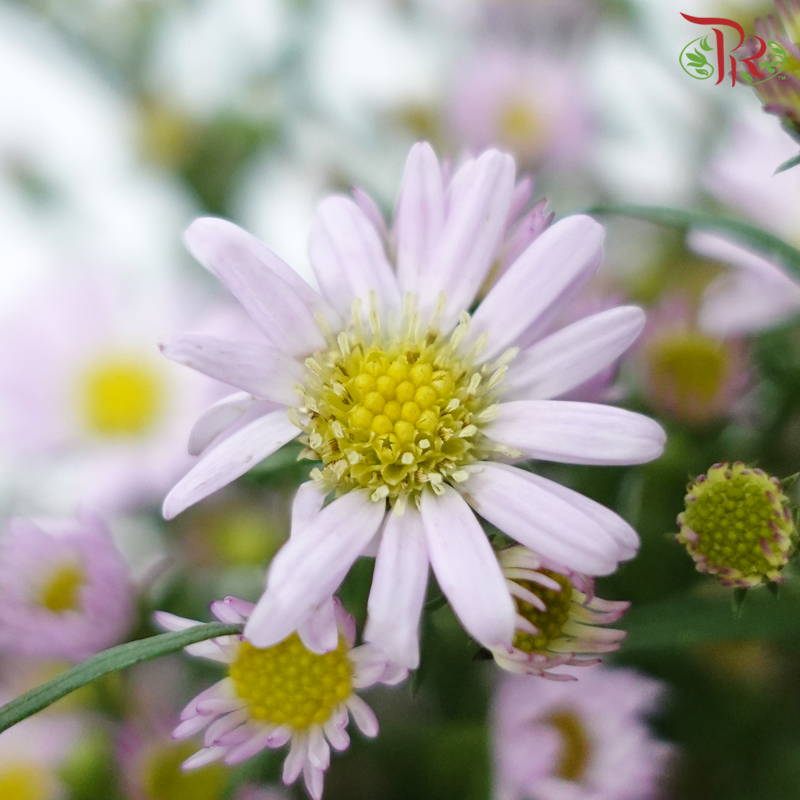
pixel 576 745
pixel 61 591
pixel 550 623
pixel 289 685
pixel 396 413
pixel 24 781
pixel 121 397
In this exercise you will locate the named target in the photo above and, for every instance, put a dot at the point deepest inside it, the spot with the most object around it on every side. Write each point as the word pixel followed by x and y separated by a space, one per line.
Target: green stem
pixel 119 657
pixel 751 236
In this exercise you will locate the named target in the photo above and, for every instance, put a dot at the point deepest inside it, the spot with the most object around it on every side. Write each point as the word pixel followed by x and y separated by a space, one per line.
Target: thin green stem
pixel 119 657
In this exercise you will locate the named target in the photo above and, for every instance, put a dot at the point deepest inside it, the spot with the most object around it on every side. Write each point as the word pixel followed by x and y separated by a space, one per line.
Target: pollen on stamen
pixel 395 411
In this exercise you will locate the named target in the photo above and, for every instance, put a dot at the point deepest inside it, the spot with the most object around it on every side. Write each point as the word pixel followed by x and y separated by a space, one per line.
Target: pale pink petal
pixel 319 752
pixel 172 622
pixel 420 215
pixel 520 506
pixel 298 752
pixel 752 297
pixel 363 715
pixel 191 727
pixel 273 295
pixel 337 735
pixel 247 749
pixel 256 368
pixel 370 208
pixel 466 568
pixel 398 589
pixel 348 258
pixel 318 631
pixel 471 235
pixel 570 357
pixel 626 537
pixel 310 566
pixel 577 433
pixel 314 778
pixel 230 459
pixel 217 418
pixel 205 756
pixel 369 665
pixel 308 502
pixel 535 288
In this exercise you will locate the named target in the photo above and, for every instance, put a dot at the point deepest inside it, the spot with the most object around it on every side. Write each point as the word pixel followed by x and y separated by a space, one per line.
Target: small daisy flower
pixel 411 403
pixel 85 395
pixel 65 590
pixel 279 694
pixel 738 525
pixel 557 619
pixel 581 740
pixel 686 373
pixel 753 296
pixel 532 105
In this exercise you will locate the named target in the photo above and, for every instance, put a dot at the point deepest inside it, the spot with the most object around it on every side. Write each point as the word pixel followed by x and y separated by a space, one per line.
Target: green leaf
pixel 691 620
pixel 751 236
pixel 792 162
pixel 705 45
pixel 119 657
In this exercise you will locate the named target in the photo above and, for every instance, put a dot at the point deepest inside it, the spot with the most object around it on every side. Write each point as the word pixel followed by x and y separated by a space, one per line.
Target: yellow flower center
pixel 163 778
pixel 551 622
pixel 121 397
pixel 576 746
pixel 520 125
pixel 21 781
pixel 397 414
pixel 688 368
pixel 61 591
pixel 289 685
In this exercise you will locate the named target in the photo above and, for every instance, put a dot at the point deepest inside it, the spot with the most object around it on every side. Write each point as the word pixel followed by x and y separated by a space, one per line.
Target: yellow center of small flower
pixel 688 369
pixel 20 781
pixel 121 397
pixel 576 749
pixel 737 524
pixel 520 125
pixel 551 622
pixel 61 591
pixel 289 685
pixel 396 415
pixel 163 778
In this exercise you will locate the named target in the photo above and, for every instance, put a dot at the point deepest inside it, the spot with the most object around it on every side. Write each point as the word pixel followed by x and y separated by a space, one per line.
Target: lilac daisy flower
pixel 409 401
pixel 279 694
pixel 581 740
pixel 65 590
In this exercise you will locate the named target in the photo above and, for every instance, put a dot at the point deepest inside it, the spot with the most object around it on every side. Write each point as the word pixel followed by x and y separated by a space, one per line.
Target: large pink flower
pixel 411 403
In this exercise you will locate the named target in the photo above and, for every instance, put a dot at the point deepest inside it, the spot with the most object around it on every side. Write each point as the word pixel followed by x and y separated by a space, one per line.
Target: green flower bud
pixel 737 525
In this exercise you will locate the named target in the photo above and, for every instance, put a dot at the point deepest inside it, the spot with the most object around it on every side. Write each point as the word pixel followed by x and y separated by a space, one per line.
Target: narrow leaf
pixel 751 236
pixel 739 599
pixel 119 657
pixel 792 162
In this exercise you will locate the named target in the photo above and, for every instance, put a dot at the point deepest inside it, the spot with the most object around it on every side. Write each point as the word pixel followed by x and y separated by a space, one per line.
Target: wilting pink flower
pixel 533 105
pixel 558 618
pixel 410 402
pixel 279 694
pixel 65 591
pixel 580 740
